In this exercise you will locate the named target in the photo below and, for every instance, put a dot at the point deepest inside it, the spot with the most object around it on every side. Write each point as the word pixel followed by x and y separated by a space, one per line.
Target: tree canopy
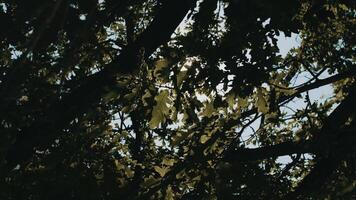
pixel 177 99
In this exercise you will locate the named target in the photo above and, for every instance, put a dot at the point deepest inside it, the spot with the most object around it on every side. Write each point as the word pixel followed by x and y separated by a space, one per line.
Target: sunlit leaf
pixel 261 102
pixel 118 165
pixel 159 66
pixel 168 161
pixel 209 109
pixel 203 139
pixel 146 96
pixel 161 109
pixel 180 77
pixel 129 173
pixel 231 100
pixel 169 194
pixel 242 102
pixel 149 181
pixel 161 170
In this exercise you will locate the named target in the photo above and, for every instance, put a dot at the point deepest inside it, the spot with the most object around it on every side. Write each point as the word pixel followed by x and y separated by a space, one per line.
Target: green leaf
pixel 148 182
pixel 169 194
pixel 261 102
pixel 161 170
pixel 180 77
pixel 203 139
pixel 209 109
pixel 147 95
pixel 242 102
pixel 161 109
pixel 168 161
pixel 118 165
pixel 197 178
pixel 181 135
pixel 160 64
pixel 180 174
pixel 230 99
pixel 129 173
pixel 110 96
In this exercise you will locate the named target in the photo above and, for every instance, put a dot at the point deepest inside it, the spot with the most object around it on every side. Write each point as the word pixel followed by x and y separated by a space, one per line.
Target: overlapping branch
pixel 330 135
pixel 74 104
pixel 322 145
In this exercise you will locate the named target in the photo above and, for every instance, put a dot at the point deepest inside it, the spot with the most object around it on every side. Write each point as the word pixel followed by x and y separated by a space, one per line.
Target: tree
pixel 178 99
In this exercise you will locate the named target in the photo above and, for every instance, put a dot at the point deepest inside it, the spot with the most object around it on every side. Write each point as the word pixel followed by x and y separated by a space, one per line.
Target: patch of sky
pixel 3 7
pixel 285 44
pixel 83 17
pixel 15 54
pixel 318 95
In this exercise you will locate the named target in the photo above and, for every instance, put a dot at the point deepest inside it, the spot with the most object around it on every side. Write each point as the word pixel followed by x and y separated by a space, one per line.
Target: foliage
pixel 178 99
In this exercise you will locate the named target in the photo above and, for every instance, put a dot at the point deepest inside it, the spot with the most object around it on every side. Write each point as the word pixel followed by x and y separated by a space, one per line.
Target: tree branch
pixel 88 94
pixel 286 148
pixel 330 135
pixel 239 155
